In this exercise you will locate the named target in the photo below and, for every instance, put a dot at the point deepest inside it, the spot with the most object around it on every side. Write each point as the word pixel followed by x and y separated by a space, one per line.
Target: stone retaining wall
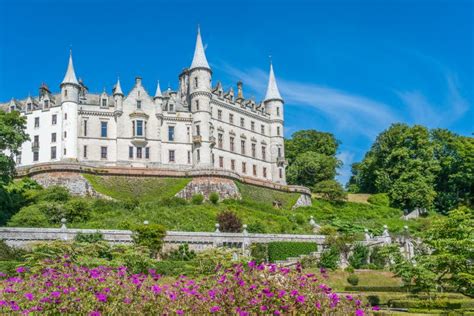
pixel 226 188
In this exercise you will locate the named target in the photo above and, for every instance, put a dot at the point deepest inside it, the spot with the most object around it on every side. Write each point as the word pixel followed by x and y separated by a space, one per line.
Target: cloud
pixel 346 111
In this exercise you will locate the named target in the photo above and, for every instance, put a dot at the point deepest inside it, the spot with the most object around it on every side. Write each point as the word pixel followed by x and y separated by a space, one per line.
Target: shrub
pixel 309 261
pixel 360 255
pixel 330 258
pixel 210 260
pixel 89 237
pixel 380 199
pixel 353 279
pixel 197 199
pixel 77 210
pixel 150 236
pixel 181 254
pixel 9 253
pixel 259 252
pixel 214 197
pixel 285 249
pixel 378 257
pixel 374 300
pixel 229 222
pixel 9 267
pixel 349 269
pixel 30 216
pixel 395 289
pixel 130 203
pixel 54 193
pixel 330 190
pixel 327 230
pixel 256 227
pixel 173 201
pixel 172 267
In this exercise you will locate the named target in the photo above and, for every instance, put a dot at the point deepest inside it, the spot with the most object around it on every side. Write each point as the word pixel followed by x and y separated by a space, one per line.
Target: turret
pixel 158 99
pixel 200 75
pixel 274 107
pixel 70 86
pixel 118 97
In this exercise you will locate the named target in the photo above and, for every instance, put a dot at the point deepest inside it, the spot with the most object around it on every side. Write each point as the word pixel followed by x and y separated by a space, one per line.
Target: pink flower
pixel 281 293
pixel 29 296
pixel 252 264
pixel 95 313
pixel 263 308
pixel 318 305
pixel 215 309
pixel 156 289
pixel 56 294
pixel 300 299
pixel 180 312
pixel 359 312
pixel 375 308
pixel 101 297
pixel 21 269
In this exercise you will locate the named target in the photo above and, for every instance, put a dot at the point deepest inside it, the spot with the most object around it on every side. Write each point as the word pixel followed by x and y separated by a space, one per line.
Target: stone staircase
pixel 291 261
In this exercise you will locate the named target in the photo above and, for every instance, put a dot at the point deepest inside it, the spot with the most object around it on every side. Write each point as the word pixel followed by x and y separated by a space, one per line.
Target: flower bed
pixel 240 290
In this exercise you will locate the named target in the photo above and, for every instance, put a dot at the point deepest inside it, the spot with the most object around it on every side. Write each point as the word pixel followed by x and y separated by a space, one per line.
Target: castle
pixel 196 127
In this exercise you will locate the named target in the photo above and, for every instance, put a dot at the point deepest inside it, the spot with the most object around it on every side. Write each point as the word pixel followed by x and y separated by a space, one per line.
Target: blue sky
pixel 347 67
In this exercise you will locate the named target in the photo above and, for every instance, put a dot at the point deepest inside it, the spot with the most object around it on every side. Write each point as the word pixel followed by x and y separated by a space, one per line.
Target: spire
pixel 199 59
pixel 70 76
pixel 118 88
pixel 158 90
pixel 272 88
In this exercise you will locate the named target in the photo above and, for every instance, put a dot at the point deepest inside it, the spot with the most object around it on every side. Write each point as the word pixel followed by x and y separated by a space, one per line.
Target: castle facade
pixel 199 126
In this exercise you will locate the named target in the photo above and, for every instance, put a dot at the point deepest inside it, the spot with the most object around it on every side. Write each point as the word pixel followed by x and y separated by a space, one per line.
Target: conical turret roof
pixel 199 59
pixel 118 88
pixel 70 76
pixel 158 93
pixel 272 89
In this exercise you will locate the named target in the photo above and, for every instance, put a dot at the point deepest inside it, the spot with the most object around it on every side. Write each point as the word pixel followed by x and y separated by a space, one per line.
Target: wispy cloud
pixel 346 111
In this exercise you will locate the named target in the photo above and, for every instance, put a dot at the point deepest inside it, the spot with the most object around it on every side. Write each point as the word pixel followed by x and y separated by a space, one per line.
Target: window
pixel 198 130
pixel 46 104
pixel 64 151
pixel 264 172
pixel 189 156
pixel 65 92
pixel 30 106
pixel 196 82
pixel 139 152
pixel 219 114
pixel 254 169
pixel 231 118
pixel 278 130
pixel 85 128
pixel 103 129
pixel 198 155
pixel 147 152
pixel 171 108
pixel 65 134
pixel 188 131
pixel 36 141
pixel 279 151
pixel 221 162
pixel 197 105
pixel 54 119
pixel 171 156
pixel 84 151
pixel 139 104
pixel 254 150
pixel 232 164
pixel 278 111
pixel 104 103
pixel 139 128
pixel 53 152
pixel 244 167
pixel 133 128
pixel 262 129
pixel 220 140
pixel 264 153
pixel 232 144
pixel 35 156
pixel 252 125
pixel 65 116
pixel 130 152
pixel 242 122
pixel 242 147
pixel 171 133
pixel 280 172
pixel 37 122
pixel 18 159
pixel 103 152
pixel 53 137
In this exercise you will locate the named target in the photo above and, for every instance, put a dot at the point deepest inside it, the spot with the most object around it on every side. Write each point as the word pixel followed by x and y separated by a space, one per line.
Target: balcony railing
pixel 35 146
pixel 197 139
pixel 212 140
pixel 281 161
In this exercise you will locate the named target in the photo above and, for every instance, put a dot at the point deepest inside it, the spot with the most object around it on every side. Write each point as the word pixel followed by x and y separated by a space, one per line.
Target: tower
pixel 118 97
pixel 274 107
pixel 69 105
pixel 199 84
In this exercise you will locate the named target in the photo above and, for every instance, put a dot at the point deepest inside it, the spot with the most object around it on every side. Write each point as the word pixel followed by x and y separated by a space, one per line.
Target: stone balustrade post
pixel 64 235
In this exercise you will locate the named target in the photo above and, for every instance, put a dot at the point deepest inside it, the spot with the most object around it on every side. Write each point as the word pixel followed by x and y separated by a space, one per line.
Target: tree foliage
pixel 310 140
pixel 229 222
pixel 330 190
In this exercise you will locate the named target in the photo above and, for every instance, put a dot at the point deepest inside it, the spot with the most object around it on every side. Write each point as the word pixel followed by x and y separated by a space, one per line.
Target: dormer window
pixel 171 107
pixel 104 102
pixel 29 106
pixel 46 104
pixel 139 104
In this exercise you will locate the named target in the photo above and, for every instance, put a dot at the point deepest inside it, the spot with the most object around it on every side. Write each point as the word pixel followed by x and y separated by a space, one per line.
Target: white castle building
pixel 197 127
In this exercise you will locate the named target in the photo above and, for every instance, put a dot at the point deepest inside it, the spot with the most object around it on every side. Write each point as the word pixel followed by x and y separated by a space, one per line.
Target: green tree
pixel 150 236
pixel 330 190
pixel 311 167
pixel 310 140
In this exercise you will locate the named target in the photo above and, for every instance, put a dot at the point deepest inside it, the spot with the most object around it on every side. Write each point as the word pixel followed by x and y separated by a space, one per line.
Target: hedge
pixel 375 289
pixel 448 304
pixel 283 250
pixel 172 268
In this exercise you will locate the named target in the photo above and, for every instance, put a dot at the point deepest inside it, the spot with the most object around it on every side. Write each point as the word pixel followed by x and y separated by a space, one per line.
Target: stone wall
pixel 303 200
pixel 226 188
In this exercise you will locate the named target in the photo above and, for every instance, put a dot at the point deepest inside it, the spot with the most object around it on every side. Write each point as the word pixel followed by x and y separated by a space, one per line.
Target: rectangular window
pixel 139 152
pixel 264 172
pixel 35 156
pixel 279 152
pixel 84 151
pixel 198 130
pixel 198 155
pixel 244 167
pixel 36 141
pixel 278 111
pixel 232 164
pixel 104 103
pixel 262 129
pixel 280 171
pixel 232 146
pixel 242 122
pixel 219 114
pixel 130 152
pixel 254 150
pixel 171 156
pixel 196 82
pixel 197 105
pixel 103 129
pixel 37 122
pixel 85 128
pixel 231 118
pixel 53 137
pixel 54 119
pixel 147 152
pixel 65 134
pixel 65 116
pixel 278 130
pixel 220 140
pixel 65 92
pixel 254 169
pixel 171 133
pixel 46 104
pixel 139 104
pixel 252 125
pixel 242 147
pixel 264 153
pixel 189 156
pixel 64 151
pixel 188 131
pixel 53 152
pixel 171 108
pixel 139 128
pixel 133 128
pixel 103 152
pixel 221 162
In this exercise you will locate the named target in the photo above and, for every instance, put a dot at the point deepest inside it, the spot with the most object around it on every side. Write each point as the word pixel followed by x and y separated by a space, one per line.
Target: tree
pixel 229 222
pixel 12 135
pixel 311 167
pixel 150 236
pixel 310 140
pixel 330 190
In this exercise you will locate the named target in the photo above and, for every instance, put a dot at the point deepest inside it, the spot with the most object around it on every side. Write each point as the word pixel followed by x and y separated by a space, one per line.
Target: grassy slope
pixel 266 196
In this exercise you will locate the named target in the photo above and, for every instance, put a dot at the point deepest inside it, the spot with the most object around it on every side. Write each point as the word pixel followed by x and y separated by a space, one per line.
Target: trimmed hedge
pixel 283 250
pixel 448 304
pixel 172 268
pixel 375 289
